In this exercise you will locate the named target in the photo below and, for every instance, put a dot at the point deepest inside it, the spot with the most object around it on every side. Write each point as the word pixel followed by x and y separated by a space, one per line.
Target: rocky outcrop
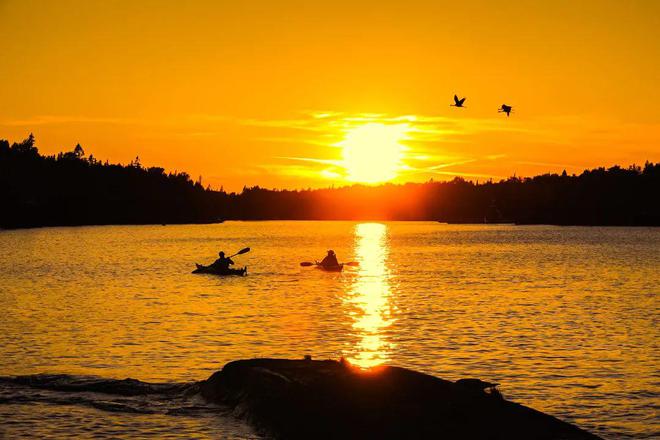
pixel 293 399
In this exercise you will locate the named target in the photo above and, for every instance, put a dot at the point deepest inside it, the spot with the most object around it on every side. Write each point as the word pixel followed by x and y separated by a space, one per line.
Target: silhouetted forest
pixel 74 189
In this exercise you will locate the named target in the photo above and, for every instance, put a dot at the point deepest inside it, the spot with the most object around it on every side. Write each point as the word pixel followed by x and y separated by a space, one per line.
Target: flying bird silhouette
pixel 457 102
pixel 505 109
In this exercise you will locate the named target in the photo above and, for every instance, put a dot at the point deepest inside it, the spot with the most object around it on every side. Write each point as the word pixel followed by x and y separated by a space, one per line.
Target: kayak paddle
pixel 307 264
pixel 241 252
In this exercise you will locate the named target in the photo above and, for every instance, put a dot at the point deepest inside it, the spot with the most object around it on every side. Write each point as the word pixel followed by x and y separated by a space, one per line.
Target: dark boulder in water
pixel 292 399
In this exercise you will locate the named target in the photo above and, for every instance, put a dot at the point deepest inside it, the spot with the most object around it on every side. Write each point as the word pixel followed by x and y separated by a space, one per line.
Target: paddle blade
pixel 352 263
pixel 306 264
pixel 243 251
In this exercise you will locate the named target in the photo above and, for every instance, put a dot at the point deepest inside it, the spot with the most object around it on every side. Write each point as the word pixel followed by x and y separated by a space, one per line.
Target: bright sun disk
pixel 373 153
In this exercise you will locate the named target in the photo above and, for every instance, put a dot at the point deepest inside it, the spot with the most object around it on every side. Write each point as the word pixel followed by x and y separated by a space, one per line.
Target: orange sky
pixel 267 93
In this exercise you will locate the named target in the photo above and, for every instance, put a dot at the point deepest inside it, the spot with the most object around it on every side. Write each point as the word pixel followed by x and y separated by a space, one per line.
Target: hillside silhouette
pixel 74 189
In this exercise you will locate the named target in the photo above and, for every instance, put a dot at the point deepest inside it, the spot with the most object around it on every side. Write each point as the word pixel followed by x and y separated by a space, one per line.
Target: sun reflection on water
pixel 369 296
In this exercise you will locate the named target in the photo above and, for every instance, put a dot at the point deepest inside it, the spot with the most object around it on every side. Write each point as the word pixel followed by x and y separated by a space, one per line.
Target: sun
pixel 373 153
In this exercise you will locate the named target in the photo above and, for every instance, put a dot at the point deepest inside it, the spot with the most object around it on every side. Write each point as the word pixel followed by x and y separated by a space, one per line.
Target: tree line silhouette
pixel 73 189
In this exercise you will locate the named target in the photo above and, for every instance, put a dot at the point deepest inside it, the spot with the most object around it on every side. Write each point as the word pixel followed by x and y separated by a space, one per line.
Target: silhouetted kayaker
pixel 330 260
pixel 222 263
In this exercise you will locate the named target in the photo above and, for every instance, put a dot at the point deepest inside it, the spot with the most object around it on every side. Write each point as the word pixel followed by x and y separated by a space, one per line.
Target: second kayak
pixel 337 268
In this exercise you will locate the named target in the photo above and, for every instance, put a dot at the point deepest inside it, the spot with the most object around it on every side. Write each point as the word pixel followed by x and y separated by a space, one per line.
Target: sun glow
pixel 373 153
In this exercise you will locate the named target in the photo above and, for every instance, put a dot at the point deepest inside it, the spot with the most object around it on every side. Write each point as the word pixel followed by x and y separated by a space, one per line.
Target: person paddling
pixel 330 260
pixel 222 263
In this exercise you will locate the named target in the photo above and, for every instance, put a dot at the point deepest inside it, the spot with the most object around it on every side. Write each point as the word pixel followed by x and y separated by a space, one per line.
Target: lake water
pixel 564 318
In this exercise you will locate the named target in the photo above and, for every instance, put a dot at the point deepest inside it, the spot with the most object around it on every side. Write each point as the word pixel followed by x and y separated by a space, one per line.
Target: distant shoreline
pixel 72 189
pixel 17 228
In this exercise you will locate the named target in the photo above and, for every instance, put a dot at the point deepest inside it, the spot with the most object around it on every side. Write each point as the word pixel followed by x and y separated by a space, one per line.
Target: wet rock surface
pixel 329 399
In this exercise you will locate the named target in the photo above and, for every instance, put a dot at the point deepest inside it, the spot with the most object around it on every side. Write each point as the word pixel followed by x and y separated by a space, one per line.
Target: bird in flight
pixel 457 102
pixel 505 109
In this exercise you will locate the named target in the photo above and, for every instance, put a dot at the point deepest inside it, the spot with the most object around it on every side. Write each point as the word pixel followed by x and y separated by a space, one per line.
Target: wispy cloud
pixel 424 135
pixel 311 159
pixel 421 128
pixel 449 164
pixel 64 119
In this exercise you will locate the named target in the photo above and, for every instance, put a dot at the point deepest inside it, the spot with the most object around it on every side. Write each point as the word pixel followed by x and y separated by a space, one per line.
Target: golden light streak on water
pixel 370 294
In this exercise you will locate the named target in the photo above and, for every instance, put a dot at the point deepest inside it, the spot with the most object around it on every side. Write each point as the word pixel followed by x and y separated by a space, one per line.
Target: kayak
pixel 338 268
pixel 214 271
